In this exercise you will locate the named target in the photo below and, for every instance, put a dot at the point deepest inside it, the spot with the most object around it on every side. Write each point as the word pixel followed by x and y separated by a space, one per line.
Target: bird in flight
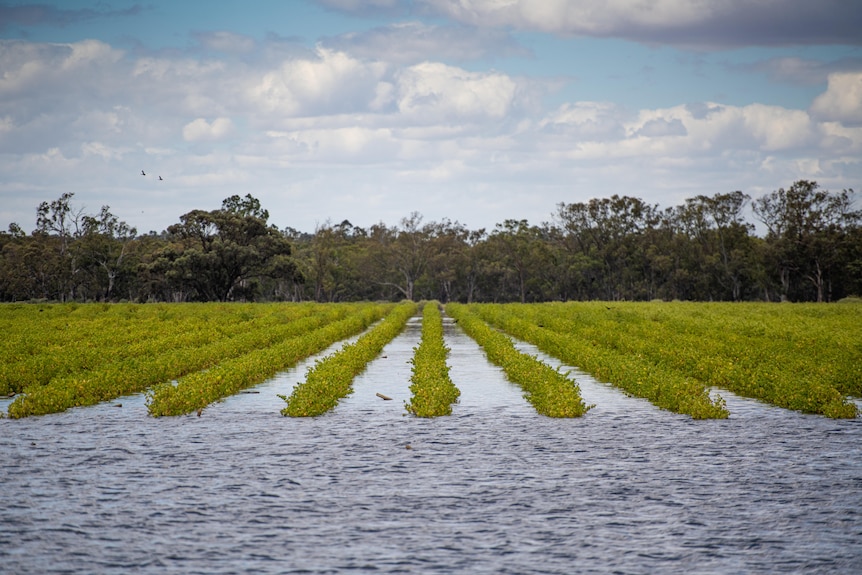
pixel 143 173
pixel 160 178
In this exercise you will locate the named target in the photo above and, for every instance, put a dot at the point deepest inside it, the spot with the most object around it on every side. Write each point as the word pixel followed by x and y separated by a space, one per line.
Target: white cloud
pixel 586 121
pixel 842 101
pixel 434 92
pixel 310 128
pixel 329 82
pixel 200 130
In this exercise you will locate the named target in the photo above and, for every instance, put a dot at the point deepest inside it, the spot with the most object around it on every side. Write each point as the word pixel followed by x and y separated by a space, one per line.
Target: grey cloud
pixel 225 42
pixel 660 127
pixel 802 72
pixel 411 42
pixel 368 7
pixel 684 23
pixel 45 15
pixel 702 110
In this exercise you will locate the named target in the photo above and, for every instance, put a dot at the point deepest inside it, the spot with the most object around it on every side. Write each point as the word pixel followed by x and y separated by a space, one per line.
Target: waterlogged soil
pixel 495 488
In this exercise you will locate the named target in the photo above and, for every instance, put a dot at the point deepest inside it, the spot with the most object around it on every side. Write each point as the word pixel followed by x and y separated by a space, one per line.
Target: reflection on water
pixel 495 488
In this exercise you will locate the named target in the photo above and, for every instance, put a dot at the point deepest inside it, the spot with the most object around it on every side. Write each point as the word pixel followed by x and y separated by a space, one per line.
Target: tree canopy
pixel 617 248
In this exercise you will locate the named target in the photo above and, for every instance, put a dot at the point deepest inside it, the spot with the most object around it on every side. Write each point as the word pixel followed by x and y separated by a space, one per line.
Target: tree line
pixel 617 248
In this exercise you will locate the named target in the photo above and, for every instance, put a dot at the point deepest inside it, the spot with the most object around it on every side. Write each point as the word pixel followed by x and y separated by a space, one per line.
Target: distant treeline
pixel 617 248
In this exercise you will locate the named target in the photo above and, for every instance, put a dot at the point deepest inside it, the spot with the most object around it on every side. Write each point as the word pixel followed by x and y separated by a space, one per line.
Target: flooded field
pixel 495 488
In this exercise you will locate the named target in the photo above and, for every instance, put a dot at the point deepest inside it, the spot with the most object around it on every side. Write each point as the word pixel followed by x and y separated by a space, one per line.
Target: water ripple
pixel 495 488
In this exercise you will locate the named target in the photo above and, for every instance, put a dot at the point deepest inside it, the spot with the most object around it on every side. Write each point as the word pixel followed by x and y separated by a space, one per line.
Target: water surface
pixel 495 488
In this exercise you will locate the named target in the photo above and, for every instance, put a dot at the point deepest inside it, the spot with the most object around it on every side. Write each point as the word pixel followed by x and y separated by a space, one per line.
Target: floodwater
pixel 495 488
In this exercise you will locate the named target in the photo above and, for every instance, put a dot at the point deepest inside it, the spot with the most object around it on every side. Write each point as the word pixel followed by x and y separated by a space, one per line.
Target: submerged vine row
pixel 433 392
pixel 552 393
pixel 805 358
pixel 330 378
pixel 198 390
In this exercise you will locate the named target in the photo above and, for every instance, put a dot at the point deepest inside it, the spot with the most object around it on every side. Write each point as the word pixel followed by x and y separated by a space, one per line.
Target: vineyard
pixel 803 357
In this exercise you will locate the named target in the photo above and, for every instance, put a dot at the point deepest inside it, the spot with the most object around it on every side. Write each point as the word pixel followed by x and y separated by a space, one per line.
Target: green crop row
pixel 797 357
pixel 139 372
pixel 198 390
pixel 81 343
pixel 552 393
pixel 433 390
pixel 632 372
pixel 330 378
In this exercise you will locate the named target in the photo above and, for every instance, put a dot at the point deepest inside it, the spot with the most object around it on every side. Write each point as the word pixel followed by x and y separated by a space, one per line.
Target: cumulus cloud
pixel 695 23
pixel 200 130
pixel 310 126
pixel 659 128
pixel 29 68
pixel 842 101
pixel 586 121
pixel 436 92
pixel 330 81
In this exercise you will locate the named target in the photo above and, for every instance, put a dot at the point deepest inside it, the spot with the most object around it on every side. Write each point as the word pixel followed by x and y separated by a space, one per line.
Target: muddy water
pixel 494 488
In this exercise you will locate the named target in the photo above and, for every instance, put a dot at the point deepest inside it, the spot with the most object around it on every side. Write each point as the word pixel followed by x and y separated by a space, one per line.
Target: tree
pixel 60 220
pixel 103 246
pixel 807 232
pixel 723 240
pixel 222 254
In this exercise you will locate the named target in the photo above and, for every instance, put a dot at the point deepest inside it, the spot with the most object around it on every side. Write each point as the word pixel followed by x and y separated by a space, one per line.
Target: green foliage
pixel 200 389
pixel 433 390
pixel 330 378
pixel 804 357
pixel 163 343
pixel 552 393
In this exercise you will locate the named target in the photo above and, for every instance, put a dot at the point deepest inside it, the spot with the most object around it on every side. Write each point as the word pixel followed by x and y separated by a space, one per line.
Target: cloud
pixel 586 121
pixel 367 7
pixel 200 130
pixel 659 128
pixel 330 81
pixel 435 92
pixel 692 23
pixel 801 71
pixel 418 42
pixel 28 68
pixel 315 132
pixel 46 15
pixel 225 42
pixel 842 101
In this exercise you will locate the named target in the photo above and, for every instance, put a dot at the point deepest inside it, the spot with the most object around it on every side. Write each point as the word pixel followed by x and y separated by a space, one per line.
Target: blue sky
pixel 475 111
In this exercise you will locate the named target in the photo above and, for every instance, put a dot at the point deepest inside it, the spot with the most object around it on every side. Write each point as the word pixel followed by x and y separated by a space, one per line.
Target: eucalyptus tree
pixel 722 241
pixel 518 262
pixel 104 247
pixel 223 254
pixel 605 238
pixel 58 224
pixel 808 229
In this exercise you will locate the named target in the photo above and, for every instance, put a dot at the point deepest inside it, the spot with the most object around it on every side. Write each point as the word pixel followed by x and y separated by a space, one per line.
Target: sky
pixel 472 111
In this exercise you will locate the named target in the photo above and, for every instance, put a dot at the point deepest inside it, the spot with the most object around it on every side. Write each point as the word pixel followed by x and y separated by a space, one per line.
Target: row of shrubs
pixel 196 391
pixel 631 372
pixel 433 392
pixel 170 357
pixel 551 392
pixel 330 378
pixel 803 357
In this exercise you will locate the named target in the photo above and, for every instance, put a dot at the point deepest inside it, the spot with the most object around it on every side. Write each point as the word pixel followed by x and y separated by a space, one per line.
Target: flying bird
pixel 160 178
pixel 143 173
